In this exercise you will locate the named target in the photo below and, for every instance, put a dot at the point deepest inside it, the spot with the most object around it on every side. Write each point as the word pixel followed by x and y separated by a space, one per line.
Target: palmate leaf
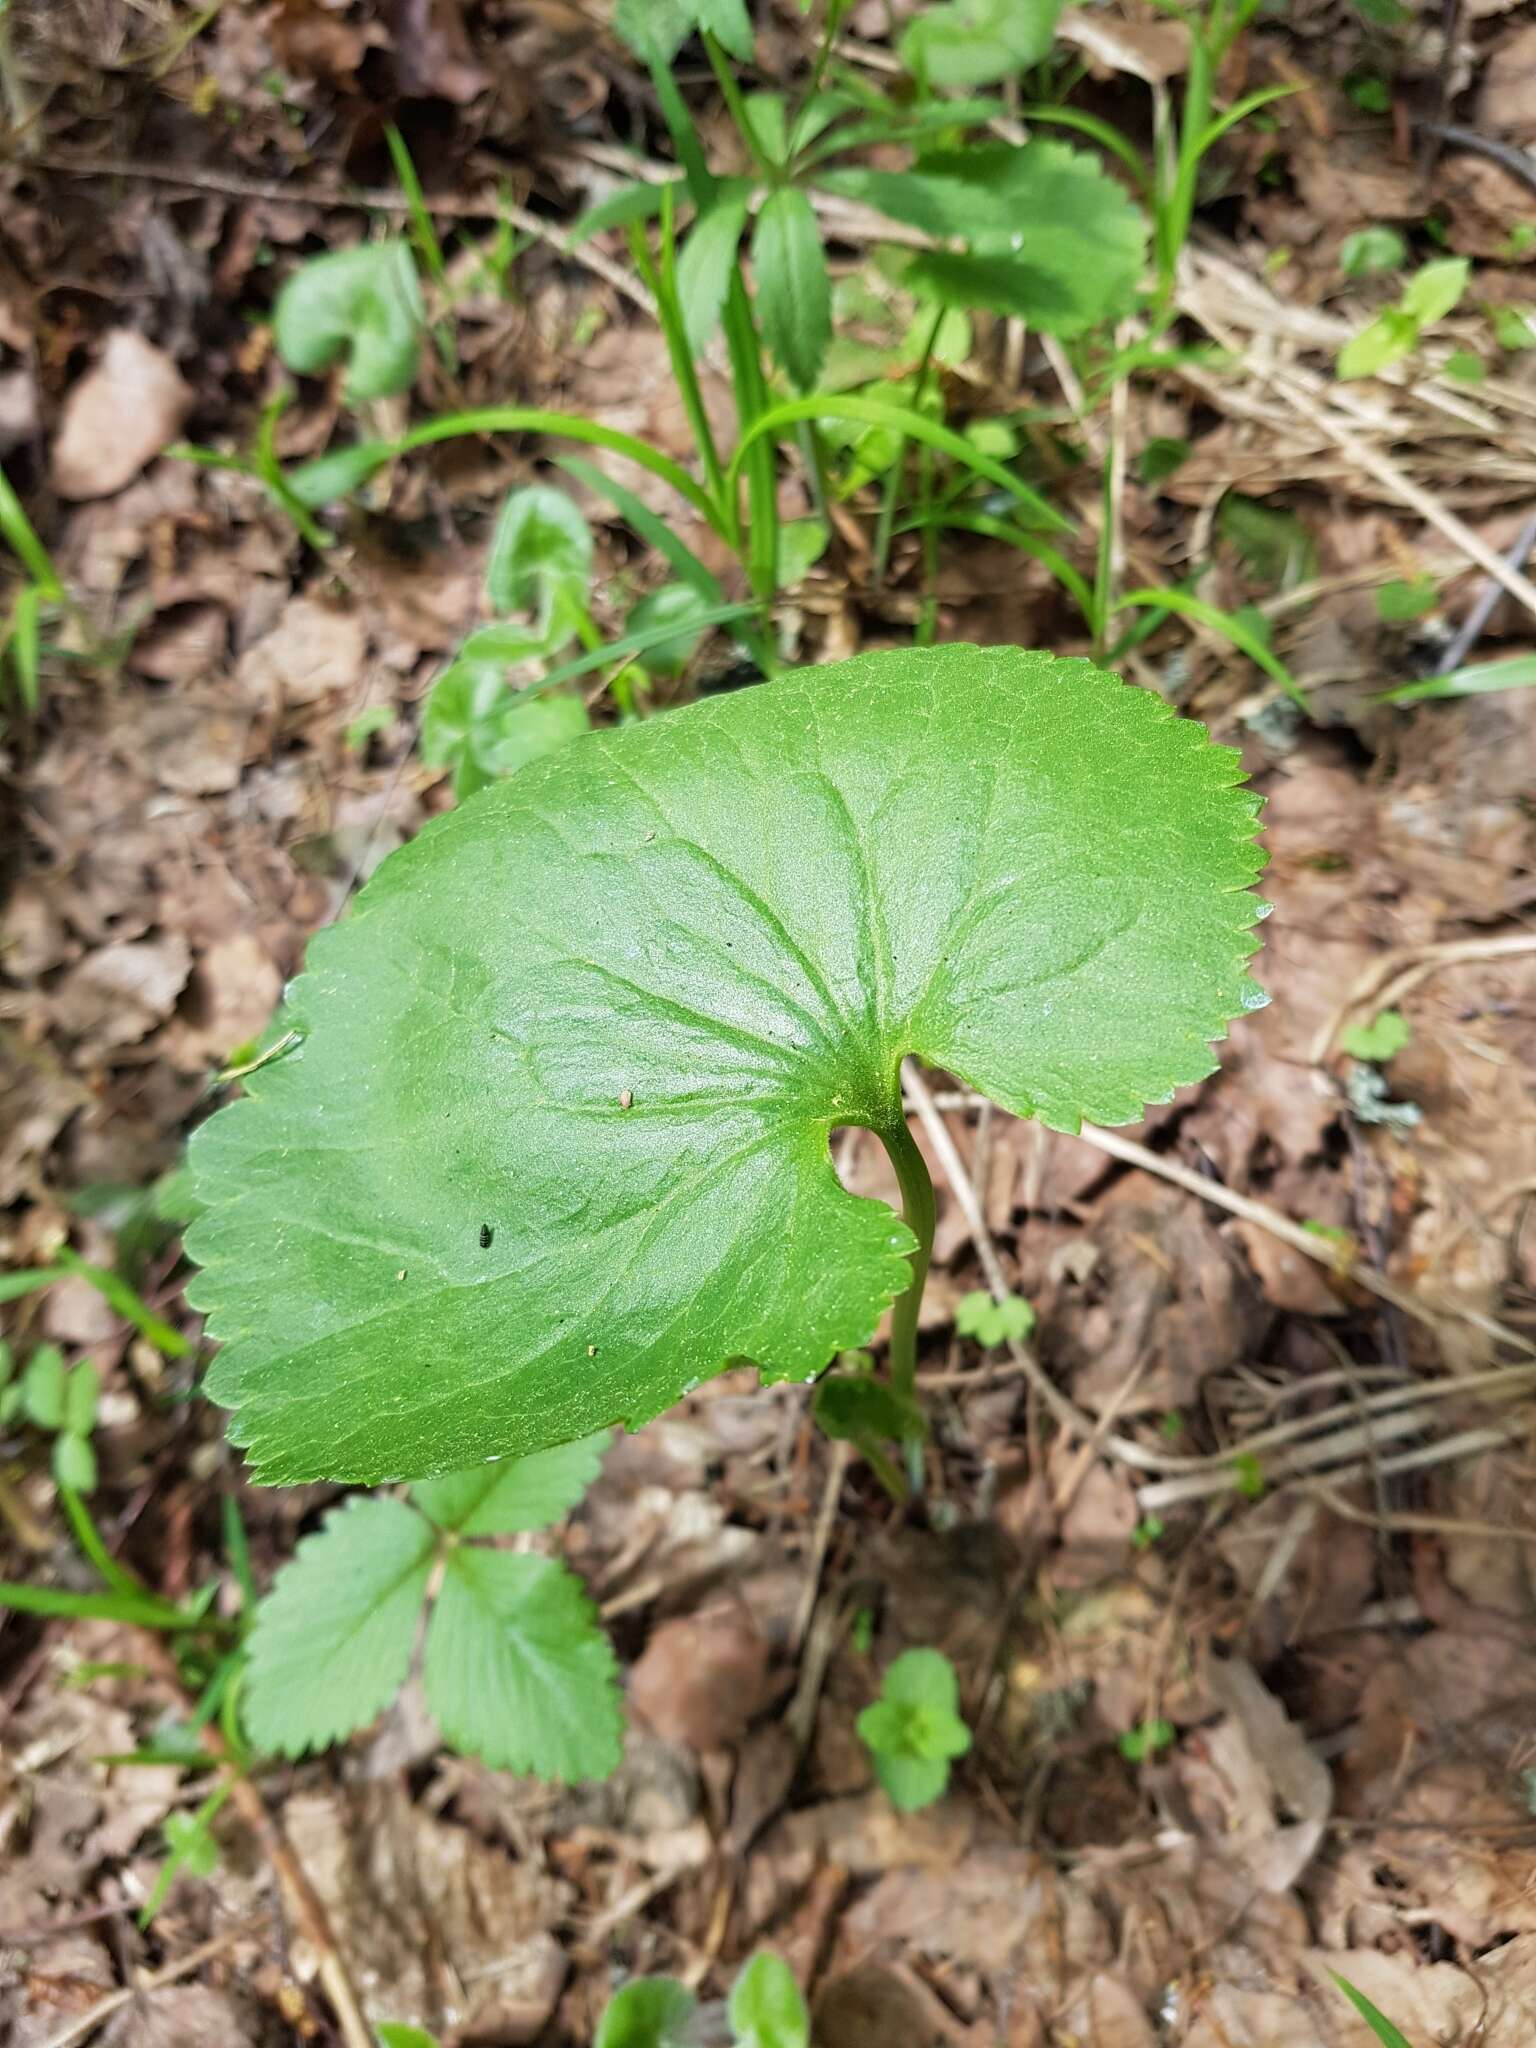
pixel 614 1008
pixel 333 1639
pixel 518 1670
pixel 1052 238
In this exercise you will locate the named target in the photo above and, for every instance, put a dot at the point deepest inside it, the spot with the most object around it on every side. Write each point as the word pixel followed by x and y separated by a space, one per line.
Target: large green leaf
pixel 517 1668
pixel 613 1009
pixel 333 1639
pixel 1053 238
pixel 362 303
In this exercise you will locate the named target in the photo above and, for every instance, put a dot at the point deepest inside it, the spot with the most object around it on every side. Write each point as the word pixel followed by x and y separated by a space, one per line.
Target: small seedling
pixel 1147 1532
pixel 1429 295
pixel 766 2010
pixel 1248 1476
pixel 361 304
pixel 1380 1040
pixel 396 2034
pixel 1514 327
pixel 60 1399
pixel 1386 2033
pixel 1369 251
pixel 1146 1740
pixel 990 1322
pixel 914 1731
pixel 1398 603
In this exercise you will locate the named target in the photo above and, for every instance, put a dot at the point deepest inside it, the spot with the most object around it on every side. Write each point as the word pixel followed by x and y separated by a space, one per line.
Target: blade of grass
pixel 88 1536
pixel 646 524
pixel 1514 672
pixel 25 641
pixel 21 538
pixel 1388 2035
pixel 127 1302
pixel 871 412
pixel 519 419
pixel 62 1606
pixel 990 528
pixel 1102 132
pixel 1221 622
pixel 635 645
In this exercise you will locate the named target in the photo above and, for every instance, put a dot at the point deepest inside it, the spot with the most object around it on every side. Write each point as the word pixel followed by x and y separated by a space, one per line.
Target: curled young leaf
pixel 540 552
pixel 618 1005
pixel 362 303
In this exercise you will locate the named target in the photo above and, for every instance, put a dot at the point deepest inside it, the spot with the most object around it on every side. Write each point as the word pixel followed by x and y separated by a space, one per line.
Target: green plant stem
pixel 893 475
pixel 89 1538
pixel 917 1207
pixel 730 92
pixel 662 280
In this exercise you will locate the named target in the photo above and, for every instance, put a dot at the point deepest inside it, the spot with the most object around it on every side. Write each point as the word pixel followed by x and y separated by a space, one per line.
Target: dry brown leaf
pixel 1506 101
pixel 230 996
pixel 314 649
pixel 1247 1771
pixel 433 57
pixel 118 416
pixel 474 1949
pixel 702 1677
pixel 996 1908
pixel 121 992
pixel 180 2016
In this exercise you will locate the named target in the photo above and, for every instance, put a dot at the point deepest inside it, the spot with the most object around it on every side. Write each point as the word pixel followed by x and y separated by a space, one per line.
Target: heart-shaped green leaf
pixel 479 728
pixel 540 552
pixel 364 303
pixel 613 1009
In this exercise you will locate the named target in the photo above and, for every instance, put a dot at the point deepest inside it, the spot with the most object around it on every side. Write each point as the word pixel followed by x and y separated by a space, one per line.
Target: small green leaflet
pixel 615 1006
pixel 978 42
pixel 518 1670
pixel 794 296
pixel 766 2009
pixel 653 2012
pixel 1382 1039
pixel 706 264
pixel 475 725
pixel 516 1667
pixel 362 303
pixel 1368 250
pixel 993 1322
pixel 914 1730
pixel 333 1639
pixel 501 1499
pixel 657 29
pixel 395 2034
pixel 541 549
